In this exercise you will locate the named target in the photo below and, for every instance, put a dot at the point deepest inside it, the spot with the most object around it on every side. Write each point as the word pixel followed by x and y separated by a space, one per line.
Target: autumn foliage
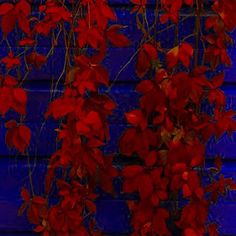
pixel 170 130
pixel 167 133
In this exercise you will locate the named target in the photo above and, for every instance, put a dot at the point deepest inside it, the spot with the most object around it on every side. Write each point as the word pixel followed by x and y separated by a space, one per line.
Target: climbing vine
pixel 167 133
pixel 82 109
pixel 170 129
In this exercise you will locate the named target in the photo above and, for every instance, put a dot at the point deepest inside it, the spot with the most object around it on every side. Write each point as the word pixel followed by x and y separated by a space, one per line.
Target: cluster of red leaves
pixel 84 130
pixel 15 13
pixel 54 14
pixel 14 98
pixel 169 131
pixel 93 30
pixel 65 218
pixel 17 136
pixel 35 59
pixel 172 8
pixel 10 61
pixel 168 150
pixel 222 24
pixel 182 53
pixel 20 14
pixel 11 96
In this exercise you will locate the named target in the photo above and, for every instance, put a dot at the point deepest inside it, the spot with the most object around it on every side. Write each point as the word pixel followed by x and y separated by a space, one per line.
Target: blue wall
pixel 112 214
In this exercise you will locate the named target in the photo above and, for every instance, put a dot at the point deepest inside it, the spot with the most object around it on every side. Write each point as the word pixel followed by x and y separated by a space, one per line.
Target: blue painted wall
pixel 112 214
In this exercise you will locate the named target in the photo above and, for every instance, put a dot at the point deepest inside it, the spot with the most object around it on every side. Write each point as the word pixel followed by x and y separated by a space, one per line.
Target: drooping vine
pixel 82 109
pixel 170 129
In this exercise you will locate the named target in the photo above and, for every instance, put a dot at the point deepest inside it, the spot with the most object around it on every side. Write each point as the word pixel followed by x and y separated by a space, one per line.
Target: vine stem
pixel 197 32
pixel 122 69
pixel 30 173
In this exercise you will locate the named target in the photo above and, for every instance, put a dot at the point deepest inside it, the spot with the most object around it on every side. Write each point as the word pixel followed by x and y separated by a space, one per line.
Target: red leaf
pixel 25 134
pixel 151 159
pixel 10 61
pixel 18 136
pixel 22 209
pixel 35 59
pixel 179 168
pixel 38 229
pixel 185 52
pixel 160 75
pixel 130 185
pixel 94 119
pixel 136 118
pixel 164 18
pixel 23 23
pixel 60 107
pixel 24 7
pixel 218 80
pixel 5 7
pixel 117 39
pixel 10 81
pixel 39 200
pixel 217 96
pixel 190 232
pixel 189 2
pixel 150 50
pixel 27 42
pixel 10 124
pixel 25 195
pixel 147 54
pixel 131 171
pixel 159 222
pixel 146 188
pixel 172 57
pixel 181 53
pixel 212 230
pixel 91 205
pixel 186 191
pixel 8 22
pixel 91 35
pixel 20 95
pixel 187 48
pixel 107 11
pixel 143 64
pixel 199 192
pixel 145 86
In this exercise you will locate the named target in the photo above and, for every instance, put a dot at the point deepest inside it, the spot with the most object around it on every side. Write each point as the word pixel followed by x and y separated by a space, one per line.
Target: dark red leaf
pixel 25 195
pixel 146 188
pixel 116 38
pixel 132 171
pixel 5 8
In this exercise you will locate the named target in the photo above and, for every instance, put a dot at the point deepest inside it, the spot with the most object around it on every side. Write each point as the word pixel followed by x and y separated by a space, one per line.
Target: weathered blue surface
pixel 112 215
